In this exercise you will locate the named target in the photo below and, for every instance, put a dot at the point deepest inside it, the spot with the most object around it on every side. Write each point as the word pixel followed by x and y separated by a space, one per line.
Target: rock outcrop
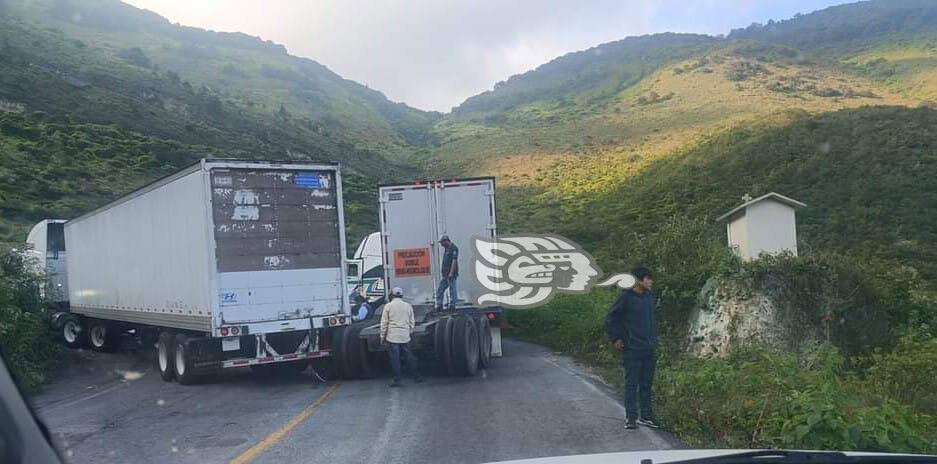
pixel 729 315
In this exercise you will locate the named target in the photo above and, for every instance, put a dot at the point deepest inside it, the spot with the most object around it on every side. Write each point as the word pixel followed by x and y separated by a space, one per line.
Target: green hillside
pixel 868 176
pixel 98 98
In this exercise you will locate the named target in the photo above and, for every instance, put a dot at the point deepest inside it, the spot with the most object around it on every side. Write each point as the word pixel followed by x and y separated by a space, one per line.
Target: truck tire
pixel 357 355
pixel 165 356
pixel 340 354
pixel 73 332
pixel 464 346
pixel 484 341
pixel 351 365
pixel 442 345
pixel 185 373
pixel 102 336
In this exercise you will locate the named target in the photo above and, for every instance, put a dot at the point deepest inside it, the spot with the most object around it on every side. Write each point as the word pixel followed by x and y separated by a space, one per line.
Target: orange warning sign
pixel 411 262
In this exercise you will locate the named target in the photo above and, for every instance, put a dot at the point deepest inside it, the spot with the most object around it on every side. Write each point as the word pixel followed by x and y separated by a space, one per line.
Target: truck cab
pixel 46 247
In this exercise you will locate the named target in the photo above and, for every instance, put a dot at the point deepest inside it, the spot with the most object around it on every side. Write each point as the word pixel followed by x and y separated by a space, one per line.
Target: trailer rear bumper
pixel 242 362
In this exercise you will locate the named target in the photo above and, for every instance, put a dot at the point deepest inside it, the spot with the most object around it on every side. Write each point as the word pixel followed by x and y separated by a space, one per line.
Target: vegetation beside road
pixel 867 386
pixel 27 342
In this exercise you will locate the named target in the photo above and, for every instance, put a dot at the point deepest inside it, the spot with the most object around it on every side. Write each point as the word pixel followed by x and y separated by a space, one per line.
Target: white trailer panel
pixel 219 243
pixel 412 219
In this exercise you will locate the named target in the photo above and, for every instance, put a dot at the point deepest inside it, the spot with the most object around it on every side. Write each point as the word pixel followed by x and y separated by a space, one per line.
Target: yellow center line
pixel 282 432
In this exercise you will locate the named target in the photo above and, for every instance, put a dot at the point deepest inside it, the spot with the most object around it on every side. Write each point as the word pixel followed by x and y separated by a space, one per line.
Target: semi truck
pixel 234 263
pixel 226 263
pixel 413 216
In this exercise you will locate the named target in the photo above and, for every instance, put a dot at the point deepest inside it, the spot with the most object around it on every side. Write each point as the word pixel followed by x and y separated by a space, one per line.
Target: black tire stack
pixel 351 358
pixel 462 344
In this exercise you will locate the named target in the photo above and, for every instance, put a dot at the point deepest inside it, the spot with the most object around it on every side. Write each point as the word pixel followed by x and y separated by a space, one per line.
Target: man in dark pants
pixel 632 328
pixel 396 323
pixel 450 273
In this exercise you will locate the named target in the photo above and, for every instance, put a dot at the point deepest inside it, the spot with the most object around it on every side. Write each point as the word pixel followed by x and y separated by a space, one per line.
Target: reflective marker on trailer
pixel 491 316
pixel 235 330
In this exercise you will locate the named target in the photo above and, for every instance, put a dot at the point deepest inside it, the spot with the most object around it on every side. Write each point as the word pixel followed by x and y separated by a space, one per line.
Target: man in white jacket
pixel 396 324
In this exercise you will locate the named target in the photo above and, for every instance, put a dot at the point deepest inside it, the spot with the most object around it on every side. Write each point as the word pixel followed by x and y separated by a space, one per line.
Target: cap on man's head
pixel 444 238
pixel 397 291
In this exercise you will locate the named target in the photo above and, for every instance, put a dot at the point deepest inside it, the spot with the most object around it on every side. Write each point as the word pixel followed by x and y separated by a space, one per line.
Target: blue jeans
pixel 450 283
pixel 394 351
pixel 639 377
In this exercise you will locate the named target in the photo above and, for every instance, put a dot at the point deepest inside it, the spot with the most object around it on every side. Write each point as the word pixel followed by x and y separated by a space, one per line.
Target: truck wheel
pixel 73 333
pixel 484 341
pixel 165 357
pixel 185 374
pixel 442 336
pixel 340 353
pixel 351 366
pixel 357 355
pixel 102 336
pixel 464 346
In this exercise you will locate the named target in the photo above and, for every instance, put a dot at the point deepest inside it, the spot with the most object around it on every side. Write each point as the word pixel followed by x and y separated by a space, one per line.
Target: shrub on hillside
pixel 859 305
pixel 908 374
pixel 755 399
pixel 27 341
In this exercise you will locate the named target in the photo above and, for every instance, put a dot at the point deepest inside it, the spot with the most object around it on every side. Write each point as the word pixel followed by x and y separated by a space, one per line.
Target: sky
pixel 433 54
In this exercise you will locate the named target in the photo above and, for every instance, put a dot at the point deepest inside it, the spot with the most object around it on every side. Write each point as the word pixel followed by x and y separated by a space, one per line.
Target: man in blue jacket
pixel 632 329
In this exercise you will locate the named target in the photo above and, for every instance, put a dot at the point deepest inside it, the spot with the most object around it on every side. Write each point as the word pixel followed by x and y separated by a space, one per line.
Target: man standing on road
pixel 632 329
pixel 450 272
pixel 396 324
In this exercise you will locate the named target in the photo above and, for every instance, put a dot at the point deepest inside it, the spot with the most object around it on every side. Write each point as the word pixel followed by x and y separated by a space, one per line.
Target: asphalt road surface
pixel 113 408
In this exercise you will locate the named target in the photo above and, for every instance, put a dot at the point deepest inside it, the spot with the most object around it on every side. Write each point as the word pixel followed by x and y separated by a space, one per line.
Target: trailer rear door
pixel 412 219
pixel 279 243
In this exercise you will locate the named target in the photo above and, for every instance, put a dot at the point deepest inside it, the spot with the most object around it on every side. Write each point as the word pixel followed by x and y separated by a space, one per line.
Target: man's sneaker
pixel 652 423
pixel 630 424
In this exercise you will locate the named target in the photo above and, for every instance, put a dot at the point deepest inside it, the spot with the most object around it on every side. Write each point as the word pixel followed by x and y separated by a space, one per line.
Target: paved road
pixel 114 408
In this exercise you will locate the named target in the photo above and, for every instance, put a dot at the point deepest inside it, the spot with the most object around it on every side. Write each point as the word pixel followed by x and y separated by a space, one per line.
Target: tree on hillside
pixel 135 56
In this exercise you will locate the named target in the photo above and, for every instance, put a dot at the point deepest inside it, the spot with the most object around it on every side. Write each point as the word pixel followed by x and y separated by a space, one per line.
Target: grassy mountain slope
pixel 894 42
pixel 97 98
pixel 867 175
pixel 573 159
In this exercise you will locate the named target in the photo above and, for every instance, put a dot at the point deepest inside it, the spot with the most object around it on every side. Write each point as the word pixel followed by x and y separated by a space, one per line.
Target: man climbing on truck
pixel 450 272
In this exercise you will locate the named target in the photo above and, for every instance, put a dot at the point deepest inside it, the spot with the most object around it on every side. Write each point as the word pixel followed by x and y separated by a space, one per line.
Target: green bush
pixel 908 374
pixel 757 399
pixel 859 305
pixel 27 341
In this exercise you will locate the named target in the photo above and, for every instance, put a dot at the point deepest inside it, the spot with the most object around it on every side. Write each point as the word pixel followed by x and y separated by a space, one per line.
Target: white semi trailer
pixel 413 216
pixel 223 264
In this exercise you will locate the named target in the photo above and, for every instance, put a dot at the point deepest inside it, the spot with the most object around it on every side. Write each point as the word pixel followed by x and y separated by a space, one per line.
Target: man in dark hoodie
pixel 632 329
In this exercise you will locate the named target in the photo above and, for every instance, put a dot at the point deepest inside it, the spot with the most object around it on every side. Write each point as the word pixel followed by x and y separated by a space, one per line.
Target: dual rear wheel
pixel 462 345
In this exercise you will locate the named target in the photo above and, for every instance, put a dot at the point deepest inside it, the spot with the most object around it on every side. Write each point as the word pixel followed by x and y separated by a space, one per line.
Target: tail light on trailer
pixel 223 331
pixel 491 316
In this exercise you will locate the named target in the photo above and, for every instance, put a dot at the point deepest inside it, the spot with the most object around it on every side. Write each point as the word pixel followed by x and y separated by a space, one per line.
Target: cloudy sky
pixel 432 54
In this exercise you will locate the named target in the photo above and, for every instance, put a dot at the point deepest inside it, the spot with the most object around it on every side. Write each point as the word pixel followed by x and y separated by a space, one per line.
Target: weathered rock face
pixel 729 315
